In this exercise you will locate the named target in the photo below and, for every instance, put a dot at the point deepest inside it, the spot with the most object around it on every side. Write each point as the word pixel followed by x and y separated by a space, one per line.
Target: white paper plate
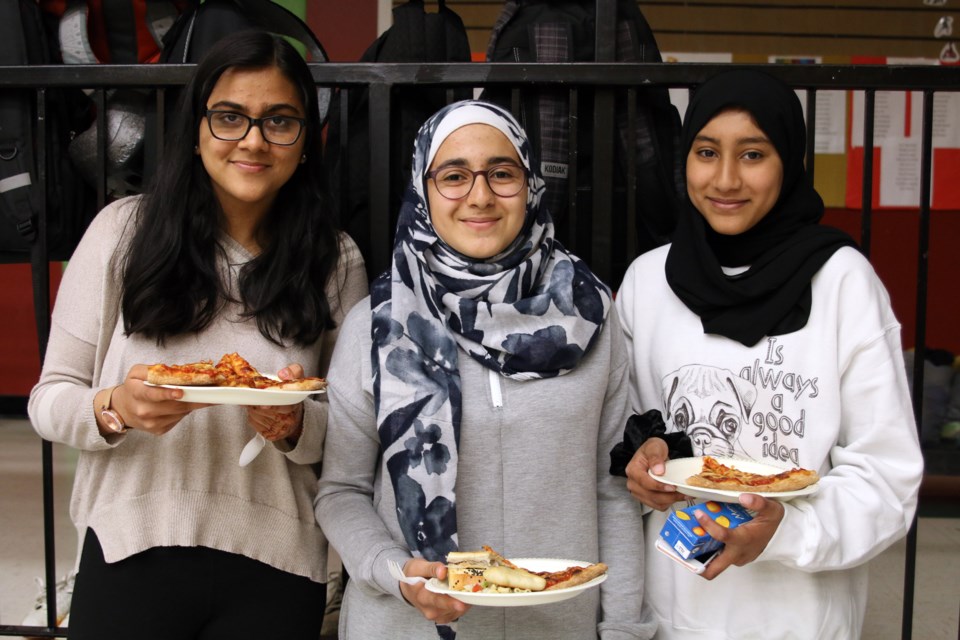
pixel 522 599
pixel 239 395
pixel 677 471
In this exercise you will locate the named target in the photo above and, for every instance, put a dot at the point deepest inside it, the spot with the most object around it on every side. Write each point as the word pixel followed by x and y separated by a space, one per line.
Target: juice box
pixel 682 533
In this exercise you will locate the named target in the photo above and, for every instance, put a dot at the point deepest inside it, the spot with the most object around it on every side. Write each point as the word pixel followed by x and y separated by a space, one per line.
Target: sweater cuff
pixel 95 440
pixel 784 545
pixel 381 574
pixel 624 631
pixel 309 448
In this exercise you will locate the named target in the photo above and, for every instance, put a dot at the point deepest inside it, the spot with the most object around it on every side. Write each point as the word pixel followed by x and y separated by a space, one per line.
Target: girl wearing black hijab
pixel 760 334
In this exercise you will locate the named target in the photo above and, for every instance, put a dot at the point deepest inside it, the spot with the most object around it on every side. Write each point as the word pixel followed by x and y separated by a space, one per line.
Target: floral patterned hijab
pixel 532 311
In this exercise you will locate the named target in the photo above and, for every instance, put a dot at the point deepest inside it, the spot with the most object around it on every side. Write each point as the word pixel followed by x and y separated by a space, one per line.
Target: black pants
pixel 190 593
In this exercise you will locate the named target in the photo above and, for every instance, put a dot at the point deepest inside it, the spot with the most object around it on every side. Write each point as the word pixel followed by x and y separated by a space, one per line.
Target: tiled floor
pixel 936 608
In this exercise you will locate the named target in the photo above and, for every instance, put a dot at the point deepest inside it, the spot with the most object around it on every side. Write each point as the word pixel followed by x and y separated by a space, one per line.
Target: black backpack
pixel 550 31
pixel 198 28
pixel 70 204
pixel 415 36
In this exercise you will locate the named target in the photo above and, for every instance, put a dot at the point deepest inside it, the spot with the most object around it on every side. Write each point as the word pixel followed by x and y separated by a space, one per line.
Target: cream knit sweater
pixel 185 488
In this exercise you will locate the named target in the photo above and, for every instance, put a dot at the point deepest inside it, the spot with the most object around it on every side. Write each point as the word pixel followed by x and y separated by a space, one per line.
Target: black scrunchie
pixel 639 429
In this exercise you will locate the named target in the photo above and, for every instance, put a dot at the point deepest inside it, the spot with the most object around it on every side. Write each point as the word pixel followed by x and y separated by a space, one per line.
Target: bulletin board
pixel 897 139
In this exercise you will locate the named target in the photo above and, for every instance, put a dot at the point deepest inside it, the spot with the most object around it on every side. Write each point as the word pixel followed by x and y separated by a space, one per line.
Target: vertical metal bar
pixel 160 132
pixel 40 268
pixel 866 195
pixel 811 133
pixel 602 178
pixel 632 208
pixel 605 48
pixel 39 253
pixel 342 203
pixel 605 44
pixel 920 341
pixel 572 222
pixel 154 134
pixel 49 543
pixel 101 102
pixel 380 214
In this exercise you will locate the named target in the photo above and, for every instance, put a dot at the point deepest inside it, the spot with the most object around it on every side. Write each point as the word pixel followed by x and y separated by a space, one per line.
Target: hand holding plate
pixel 151 409
pixel 651 458
pixel 435 607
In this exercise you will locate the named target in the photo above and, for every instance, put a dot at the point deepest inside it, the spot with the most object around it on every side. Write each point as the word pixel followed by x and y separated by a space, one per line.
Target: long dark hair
pixel 171 284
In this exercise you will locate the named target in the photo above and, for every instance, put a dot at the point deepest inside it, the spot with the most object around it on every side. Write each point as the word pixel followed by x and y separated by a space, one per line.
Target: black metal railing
pixel 607 244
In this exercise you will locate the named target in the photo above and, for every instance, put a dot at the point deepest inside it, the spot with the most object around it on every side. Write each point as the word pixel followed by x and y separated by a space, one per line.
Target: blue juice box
pixel 682 533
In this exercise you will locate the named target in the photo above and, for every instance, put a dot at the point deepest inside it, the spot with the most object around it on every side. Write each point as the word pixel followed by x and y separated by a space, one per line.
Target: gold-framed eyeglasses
pixel 454 183
pixel 231 126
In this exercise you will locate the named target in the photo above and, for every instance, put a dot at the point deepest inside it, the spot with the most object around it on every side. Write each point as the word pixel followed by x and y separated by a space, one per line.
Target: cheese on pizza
pixel 232 371
pixel 720 476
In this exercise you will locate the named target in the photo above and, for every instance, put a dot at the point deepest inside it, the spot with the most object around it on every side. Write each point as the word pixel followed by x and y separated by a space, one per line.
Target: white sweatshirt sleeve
pixel 868 495
pixel 625 311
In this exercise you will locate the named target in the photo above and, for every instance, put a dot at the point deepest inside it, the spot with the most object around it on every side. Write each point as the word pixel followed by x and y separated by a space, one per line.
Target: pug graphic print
pixel 757 411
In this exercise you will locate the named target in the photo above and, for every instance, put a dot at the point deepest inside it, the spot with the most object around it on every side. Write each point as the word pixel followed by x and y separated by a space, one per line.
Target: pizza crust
pixel 302 384
pixel 192 376
pixel 581 577
pixel 776 486
pixel 718 476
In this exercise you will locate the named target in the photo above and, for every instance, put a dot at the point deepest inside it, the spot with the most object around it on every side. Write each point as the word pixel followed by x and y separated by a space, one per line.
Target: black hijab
pixel 783 251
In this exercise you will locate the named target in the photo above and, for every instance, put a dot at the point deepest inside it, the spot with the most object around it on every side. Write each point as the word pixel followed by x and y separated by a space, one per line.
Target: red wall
pixel 19 348
pixel 345 29
pixel 894 254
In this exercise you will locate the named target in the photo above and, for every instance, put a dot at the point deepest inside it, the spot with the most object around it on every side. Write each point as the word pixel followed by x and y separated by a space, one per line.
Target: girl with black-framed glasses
pixel 232 249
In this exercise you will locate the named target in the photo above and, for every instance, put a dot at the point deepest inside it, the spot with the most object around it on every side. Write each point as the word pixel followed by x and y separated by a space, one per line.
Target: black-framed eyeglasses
pixel 231 126
pixel 454 183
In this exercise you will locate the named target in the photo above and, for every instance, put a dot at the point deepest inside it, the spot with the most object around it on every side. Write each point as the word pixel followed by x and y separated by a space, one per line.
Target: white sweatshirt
pixel 831 397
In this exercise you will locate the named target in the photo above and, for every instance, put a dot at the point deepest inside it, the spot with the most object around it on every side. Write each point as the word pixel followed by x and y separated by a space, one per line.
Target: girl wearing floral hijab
pixel 760 334
pixel 481 411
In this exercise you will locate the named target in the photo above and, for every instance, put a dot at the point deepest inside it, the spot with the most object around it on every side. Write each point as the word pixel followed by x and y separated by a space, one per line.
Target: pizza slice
pixel 237 372
pixel 572 576
pixel 231 371
pixel 195 374
pixel 716 475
